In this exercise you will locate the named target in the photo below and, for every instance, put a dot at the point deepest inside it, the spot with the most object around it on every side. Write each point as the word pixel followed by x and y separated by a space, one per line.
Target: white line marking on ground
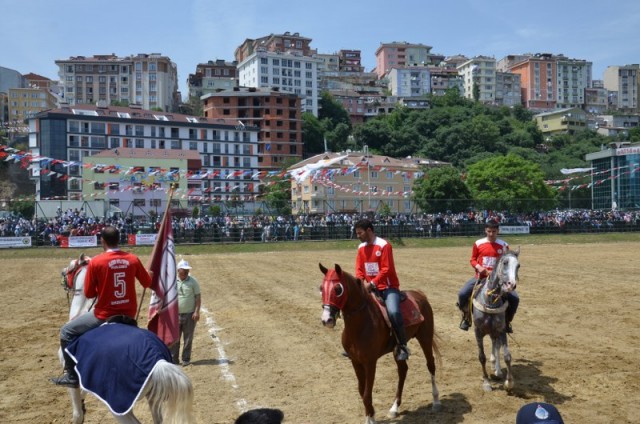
pixel 223 361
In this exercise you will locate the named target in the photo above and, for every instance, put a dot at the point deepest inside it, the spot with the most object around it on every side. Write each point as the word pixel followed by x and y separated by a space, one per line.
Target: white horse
pixel 168 390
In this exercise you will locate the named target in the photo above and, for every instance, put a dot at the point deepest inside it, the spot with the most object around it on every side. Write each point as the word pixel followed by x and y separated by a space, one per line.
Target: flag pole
pixel 155 246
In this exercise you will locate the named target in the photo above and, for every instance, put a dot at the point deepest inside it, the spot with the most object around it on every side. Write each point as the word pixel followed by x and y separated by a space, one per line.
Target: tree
pixel 509 182
pixel 312 134
pixel 277 196
pixel 441 189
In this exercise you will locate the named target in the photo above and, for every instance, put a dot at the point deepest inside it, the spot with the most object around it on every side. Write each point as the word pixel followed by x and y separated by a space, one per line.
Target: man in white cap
pixel 189 310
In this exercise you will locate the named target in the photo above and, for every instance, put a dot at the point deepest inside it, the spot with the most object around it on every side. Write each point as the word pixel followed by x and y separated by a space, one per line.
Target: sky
pixel 35 33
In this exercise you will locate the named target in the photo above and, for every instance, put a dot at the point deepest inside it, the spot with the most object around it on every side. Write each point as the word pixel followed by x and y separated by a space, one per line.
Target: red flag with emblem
pixel 163 307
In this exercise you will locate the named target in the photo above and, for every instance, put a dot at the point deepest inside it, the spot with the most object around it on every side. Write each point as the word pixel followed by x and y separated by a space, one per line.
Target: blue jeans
pixel 465 294
pixel 391 299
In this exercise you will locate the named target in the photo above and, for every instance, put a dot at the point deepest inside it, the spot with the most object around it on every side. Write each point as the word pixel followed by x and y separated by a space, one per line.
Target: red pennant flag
pixel 163 307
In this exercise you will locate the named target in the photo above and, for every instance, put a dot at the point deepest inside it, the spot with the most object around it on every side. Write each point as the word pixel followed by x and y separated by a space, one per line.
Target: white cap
pixel 183 265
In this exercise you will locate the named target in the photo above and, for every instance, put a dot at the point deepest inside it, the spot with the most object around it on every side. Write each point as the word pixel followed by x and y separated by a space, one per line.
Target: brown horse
pixel 366 336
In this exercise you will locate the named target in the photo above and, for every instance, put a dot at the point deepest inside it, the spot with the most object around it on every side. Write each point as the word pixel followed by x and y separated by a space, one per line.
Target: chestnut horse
pixel 366 336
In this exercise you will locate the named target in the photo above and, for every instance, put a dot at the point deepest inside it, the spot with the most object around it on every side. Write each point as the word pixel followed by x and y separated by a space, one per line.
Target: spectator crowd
pixel 265 228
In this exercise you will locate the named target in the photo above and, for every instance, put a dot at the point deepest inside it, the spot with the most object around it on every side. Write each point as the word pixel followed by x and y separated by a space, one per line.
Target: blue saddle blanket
pixel 114 362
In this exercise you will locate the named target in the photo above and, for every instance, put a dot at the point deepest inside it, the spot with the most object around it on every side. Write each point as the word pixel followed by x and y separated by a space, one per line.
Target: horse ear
pixel 338 269
pixel 517 251
pixel 323 269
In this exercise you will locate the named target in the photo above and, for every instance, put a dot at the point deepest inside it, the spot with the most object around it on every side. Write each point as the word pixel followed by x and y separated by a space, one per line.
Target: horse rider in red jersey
pixel 111 278
pixel 375 265
pixel 484 257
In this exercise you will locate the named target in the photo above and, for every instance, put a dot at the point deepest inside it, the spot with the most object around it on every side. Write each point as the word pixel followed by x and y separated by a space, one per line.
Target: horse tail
pixel 173 391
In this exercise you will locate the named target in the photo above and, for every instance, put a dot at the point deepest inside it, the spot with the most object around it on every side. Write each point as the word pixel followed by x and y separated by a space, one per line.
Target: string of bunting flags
pixel 613 173
pixel 132 175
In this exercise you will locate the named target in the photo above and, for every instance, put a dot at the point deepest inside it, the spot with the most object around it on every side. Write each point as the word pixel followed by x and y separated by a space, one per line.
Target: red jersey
pixel 374 263
pixel 486 253
pixel 111 276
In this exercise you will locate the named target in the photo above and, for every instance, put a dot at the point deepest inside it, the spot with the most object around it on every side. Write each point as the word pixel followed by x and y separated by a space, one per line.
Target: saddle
pixel 408 307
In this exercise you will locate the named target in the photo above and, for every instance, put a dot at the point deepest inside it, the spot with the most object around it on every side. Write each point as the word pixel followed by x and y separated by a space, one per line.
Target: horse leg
pixel 508 384
pixel 367 398
pixel 483 361
pixel 77 403
pixel 402 376
pixel 425 338
pixel 495 353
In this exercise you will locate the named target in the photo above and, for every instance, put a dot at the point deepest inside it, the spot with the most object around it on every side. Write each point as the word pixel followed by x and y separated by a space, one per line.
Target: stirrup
pixel 464 324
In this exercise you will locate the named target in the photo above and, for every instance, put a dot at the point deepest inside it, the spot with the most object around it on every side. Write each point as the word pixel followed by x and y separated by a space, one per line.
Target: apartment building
pixel 573 78
pixel 211 77
pixel 479 79
pixel 596 97
pixel 24 103
pixel 414 81
pixel 148 80
pixel 562 121
pixel 508 89
pixel 400 54
pixel 287 72
pixel 67 137
pixel 443 78
pixel 624 83
pixel 136 181
pixel 348 182
pixel 276 114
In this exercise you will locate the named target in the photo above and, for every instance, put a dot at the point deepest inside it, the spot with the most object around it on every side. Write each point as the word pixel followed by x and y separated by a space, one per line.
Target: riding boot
pixel 402 351
pixel 465 324
pixel 69 377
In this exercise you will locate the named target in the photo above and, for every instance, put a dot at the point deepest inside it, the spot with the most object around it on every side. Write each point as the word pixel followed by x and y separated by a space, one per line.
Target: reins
pixel 360 308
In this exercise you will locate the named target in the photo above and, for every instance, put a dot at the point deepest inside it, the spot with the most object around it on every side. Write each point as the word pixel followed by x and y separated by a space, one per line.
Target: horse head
pixel 336 287
pixel 505 275
pixel 334 295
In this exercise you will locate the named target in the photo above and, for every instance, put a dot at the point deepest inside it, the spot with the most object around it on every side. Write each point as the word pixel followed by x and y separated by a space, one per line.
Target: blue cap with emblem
pixel 538 413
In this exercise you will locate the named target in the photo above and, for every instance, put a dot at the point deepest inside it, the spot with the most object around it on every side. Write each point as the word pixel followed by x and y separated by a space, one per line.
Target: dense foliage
pixel 463 133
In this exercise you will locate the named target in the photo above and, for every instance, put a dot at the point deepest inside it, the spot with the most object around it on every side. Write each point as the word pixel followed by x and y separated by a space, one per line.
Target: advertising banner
pixel 82 241
pixel 6 242
pixel 514 229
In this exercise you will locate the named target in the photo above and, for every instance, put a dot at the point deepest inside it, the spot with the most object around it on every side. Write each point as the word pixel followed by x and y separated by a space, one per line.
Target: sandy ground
pixel 261 343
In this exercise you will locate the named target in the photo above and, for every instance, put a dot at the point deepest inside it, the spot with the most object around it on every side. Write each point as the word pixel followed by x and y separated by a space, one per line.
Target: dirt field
pixel 261 343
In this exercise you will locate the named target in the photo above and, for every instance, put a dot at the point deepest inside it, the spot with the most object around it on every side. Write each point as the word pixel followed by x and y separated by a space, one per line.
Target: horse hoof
pixel 392 414
pixel 508 385
pixel 436 407
pixel 487 387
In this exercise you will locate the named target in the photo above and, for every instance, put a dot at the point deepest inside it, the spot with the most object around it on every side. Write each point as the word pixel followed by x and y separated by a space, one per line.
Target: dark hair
pixel 364 224
pixel 261 416
pixel 111 236
pixel 492 223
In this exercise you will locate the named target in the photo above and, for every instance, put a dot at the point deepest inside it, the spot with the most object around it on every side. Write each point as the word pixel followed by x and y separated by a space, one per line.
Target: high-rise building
pixel 277 114
pixel 624 83
pixel 148 80
pixel 412 81
pixel 284 62
pixel 479 78
pixel 400 54
pixel 550 81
